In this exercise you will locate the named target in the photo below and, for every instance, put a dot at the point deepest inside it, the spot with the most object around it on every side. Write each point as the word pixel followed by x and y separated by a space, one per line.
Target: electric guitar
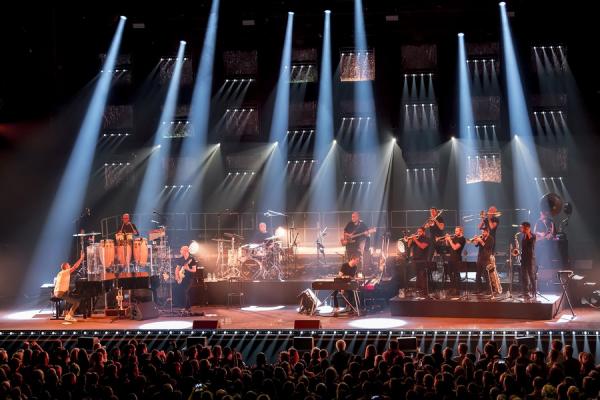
pixel 349 238
pixel 180 271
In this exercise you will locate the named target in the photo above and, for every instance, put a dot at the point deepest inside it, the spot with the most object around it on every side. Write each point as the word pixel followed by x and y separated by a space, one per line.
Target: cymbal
pixel 221 240
pixel 86 234
pixel 272 238
pixel 233 235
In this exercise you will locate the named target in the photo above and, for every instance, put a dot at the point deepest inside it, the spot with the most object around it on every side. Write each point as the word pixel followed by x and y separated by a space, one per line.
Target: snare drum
pixel 140 251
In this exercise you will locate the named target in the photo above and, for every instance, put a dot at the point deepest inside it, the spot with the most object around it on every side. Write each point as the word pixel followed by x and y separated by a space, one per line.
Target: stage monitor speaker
pixel 206 324
pixel 408 344
pixel 303 324
pixel 195 340
pixel 303 343
pixel 529 341
pixel 86 342
pixel 142 311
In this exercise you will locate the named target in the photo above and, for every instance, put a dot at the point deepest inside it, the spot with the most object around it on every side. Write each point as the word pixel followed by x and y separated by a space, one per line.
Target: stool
pixel 57 306
pixel 235 290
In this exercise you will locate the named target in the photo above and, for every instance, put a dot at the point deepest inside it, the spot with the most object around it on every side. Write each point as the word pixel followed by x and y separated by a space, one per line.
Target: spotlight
pixel 502 4
pixel 461 34
pixel 334 141
pixel 194 247
pixel 280 232
pixel 327 11
pixel 124 18
pixel 290 13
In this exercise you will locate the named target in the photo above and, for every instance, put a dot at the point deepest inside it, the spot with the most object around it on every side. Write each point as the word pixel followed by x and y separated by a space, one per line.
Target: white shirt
pixel 63 278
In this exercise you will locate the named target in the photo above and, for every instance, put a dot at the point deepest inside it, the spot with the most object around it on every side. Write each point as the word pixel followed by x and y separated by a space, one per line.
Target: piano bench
pixel 57 306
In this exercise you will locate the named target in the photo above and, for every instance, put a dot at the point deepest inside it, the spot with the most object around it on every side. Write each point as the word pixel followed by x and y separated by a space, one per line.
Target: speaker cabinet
pixel 303 324
pixel 142 311
pixel 206 324
pixel 303 344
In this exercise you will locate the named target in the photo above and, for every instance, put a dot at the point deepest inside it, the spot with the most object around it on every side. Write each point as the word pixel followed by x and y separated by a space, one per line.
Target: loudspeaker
pixel 301 324
pixel 529 341
pixel 86 342
pixel 303 344
pixel 408 344
pixel 195 340
pixel 146 310
pixel 206 324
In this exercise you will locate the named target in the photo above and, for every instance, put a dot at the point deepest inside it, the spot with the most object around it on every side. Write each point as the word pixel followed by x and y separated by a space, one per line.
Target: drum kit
pixel 251 261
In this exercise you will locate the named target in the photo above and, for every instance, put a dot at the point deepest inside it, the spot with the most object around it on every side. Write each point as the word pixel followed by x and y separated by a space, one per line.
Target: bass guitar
pixel 351 237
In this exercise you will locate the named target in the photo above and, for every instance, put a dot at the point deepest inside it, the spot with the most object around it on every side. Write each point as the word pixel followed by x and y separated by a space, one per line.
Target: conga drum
pixel 140 251
pixel 107 253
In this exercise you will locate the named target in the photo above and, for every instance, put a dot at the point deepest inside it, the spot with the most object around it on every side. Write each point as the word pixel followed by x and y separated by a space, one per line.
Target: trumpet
pixel 443 238
pixel 411 237
pixel 474 238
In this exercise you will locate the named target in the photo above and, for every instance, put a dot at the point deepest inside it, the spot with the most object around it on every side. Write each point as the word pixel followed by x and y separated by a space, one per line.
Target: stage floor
pixel 282 317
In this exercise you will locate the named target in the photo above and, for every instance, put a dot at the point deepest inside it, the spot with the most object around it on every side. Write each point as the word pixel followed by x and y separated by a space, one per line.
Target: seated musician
pixel 456 244
pixel 419 251
pixel 348 270
pixel 184 275
pixel 127 226
pixel 61 287
pixel 261 234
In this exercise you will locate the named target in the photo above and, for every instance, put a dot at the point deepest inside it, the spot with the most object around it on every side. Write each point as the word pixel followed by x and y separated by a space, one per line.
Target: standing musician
pixel 545 233
pixel 490 221
pixel 528 261
pixel 485 242
pixel 436 226
pixel 419 250
pixel 61 287
pixel 456 244
pixel 356 245
pixel 127 226
pixel 183 275
pixel 348 270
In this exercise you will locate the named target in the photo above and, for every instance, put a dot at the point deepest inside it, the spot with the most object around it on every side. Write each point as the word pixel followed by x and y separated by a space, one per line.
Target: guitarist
pixel 184 274
pixel 355 245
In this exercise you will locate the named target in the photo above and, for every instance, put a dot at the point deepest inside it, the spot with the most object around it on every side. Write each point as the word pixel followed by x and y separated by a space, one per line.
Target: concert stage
pixel 476 307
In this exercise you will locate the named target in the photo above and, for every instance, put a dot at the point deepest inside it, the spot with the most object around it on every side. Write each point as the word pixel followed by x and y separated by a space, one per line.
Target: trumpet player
pixel 418 245
pixel 490 221
pixel 485 242
pixel 528 261
pixel 456 243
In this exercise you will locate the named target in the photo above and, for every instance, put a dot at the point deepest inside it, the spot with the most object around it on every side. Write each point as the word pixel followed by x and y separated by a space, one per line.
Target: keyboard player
pixel 347 271
pixel 61 287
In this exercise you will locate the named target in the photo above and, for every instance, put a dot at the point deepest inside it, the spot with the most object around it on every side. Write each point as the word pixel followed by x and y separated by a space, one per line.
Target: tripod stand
pixel 564 277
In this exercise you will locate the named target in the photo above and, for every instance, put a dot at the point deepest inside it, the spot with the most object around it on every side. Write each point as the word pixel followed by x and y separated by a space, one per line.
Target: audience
pixel 133 372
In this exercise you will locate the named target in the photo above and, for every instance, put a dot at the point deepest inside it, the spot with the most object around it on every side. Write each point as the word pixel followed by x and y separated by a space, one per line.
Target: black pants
pixel 528 281
pixel 453 272
pixel 349 295
pixel 481 277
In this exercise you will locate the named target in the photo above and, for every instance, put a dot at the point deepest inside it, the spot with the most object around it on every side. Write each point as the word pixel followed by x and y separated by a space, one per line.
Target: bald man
pixel 188 266
pixel 127 226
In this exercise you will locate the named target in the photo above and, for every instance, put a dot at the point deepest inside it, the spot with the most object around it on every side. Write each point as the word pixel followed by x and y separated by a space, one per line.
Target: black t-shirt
pixel 486 224
pixel 527 250
pixel 352 228
pixel 129 228
pixel 417 252
pixel 456 255
pixel 545 226
pixel 191 262
pixel 260 237
pixel 348 270
pixel 485 251
pixel 434 231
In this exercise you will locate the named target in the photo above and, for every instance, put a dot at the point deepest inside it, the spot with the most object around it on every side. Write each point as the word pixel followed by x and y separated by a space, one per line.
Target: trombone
pixel 482 215
pixel 430 221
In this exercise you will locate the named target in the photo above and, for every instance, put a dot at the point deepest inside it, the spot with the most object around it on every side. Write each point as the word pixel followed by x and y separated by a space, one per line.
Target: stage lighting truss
pixel 553 158
pixel 418 57
pixel 176 129
pixel 300 171
pixel 484 167
pixel 357 65
pixel 420 116
pixel 115 173
pixel 304 73
pixel 122 69
pixel 549 59
pixel 241 173
pixel 167 66
pixel 241 121
pixel 483 66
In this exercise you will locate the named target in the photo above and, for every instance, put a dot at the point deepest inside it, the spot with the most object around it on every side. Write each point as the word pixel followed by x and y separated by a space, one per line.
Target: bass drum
pixel 250 268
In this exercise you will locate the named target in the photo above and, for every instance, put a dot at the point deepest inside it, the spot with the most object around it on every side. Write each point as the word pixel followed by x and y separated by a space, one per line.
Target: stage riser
pixel 257 293
pixel 472 309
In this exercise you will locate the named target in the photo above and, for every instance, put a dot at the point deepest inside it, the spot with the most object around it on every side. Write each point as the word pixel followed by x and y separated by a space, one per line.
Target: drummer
pixel 261 234
pixel 127 226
